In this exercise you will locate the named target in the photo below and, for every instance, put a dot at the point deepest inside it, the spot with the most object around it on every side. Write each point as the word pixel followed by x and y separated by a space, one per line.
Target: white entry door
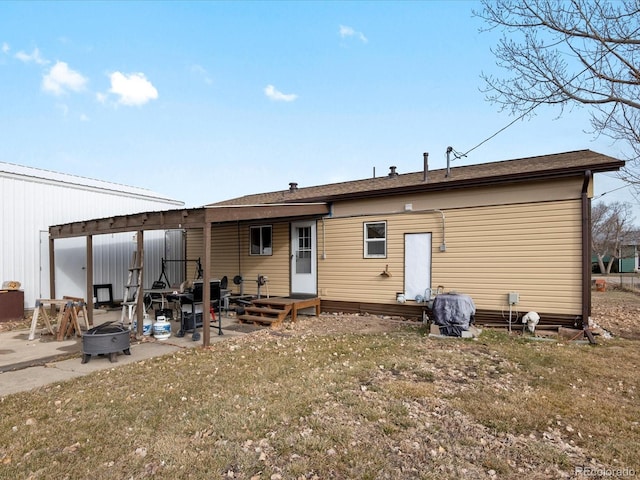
pixel 71 267
pixel 417 264
pixel 303 258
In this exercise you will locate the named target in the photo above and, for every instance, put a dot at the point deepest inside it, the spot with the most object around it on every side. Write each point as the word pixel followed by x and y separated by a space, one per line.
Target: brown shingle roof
pixel 541 167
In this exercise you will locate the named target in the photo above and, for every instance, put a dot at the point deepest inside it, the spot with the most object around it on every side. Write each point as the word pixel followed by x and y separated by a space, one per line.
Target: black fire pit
pixel 105 339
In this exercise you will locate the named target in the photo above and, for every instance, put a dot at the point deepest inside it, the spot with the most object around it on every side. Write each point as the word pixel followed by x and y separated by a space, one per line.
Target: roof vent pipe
pixel 425 170
pixel 449 150
pixel 293 186
pixel 392 171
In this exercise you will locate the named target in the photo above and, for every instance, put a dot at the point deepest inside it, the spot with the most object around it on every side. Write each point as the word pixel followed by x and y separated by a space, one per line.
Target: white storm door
pixel 71 267
pixel 417 264
pixel 303 258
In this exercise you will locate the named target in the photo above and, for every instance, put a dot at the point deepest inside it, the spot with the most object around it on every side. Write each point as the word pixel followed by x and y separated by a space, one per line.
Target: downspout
pixel 586 252
pixel 238 245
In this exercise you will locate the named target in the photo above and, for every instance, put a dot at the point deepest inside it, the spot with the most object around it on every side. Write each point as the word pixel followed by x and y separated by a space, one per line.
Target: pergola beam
pixel 202 218
pixel 184 219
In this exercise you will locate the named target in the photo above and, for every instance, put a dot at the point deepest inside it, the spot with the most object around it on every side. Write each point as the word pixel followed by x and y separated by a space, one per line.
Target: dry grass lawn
pixel 340 397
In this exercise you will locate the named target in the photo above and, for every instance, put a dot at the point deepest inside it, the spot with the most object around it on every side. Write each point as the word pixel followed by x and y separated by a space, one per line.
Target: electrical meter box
pixel 514 297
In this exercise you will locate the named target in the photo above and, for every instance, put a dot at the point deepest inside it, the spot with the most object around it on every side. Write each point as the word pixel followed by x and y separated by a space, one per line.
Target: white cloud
pixel 202 72
pixel 271 92
pixel 34 57
pixel 5 47
pixel 133 89
pixel 84 117
pixel 61 79
pixel 350 32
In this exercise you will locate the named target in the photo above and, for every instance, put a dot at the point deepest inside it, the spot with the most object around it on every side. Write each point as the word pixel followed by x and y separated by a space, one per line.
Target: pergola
pixel 197 218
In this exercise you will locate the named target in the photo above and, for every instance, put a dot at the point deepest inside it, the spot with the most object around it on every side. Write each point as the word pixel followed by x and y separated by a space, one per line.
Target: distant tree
pixel 571 52
pixel 610 230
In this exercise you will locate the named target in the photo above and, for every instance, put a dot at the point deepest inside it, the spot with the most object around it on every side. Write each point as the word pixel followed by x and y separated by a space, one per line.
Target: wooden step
pixel 257 319
pixel 262 316
pixel 272 311
pixel 264 311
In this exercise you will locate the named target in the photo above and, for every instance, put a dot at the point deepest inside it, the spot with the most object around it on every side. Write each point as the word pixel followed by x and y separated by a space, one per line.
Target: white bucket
pixel 161 328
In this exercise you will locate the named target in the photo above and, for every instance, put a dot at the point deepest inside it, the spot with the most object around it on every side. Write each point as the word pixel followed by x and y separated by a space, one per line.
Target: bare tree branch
pixel 568 53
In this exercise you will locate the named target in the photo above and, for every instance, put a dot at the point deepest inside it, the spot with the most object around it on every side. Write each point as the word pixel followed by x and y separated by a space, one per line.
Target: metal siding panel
pixel 30 205
pixel 194 247
pixel 537 253
pixel 42 176
pixel 344 273
pixel 225 259
pixel 525 194
pixel 224 252
pixel 174 246
pixel 112 257
pixel 274 266
pixel 533 249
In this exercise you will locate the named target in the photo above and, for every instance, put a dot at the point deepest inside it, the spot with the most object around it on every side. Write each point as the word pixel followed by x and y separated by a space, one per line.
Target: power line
pixel 611 191
pixel 502 129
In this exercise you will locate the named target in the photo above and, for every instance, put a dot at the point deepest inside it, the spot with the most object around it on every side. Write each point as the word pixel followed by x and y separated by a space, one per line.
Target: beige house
pixel 513 235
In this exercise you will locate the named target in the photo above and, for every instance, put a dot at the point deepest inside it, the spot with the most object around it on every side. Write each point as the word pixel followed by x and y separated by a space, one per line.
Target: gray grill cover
pixel 453 313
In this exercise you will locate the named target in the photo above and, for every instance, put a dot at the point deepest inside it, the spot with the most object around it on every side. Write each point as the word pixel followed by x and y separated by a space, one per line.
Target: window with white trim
pixel 375 239
pixel 260 240
pixel 304 251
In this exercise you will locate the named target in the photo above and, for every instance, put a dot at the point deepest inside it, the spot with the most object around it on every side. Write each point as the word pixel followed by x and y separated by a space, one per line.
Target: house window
pixel 375 240
pixel 260 238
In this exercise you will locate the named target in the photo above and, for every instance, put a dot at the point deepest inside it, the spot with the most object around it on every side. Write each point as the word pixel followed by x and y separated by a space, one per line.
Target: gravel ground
pixel 440 440
pixel 618 312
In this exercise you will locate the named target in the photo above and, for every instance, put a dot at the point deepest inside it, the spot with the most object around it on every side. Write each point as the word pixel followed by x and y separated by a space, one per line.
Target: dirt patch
pixel 339 323
pixel 15 325
pixel 617 311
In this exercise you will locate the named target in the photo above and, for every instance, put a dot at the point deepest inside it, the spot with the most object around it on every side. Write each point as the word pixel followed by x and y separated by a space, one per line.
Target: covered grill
pixel 453 313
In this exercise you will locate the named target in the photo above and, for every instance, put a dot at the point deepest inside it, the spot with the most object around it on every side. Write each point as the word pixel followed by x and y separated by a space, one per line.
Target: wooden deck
pixel 272 311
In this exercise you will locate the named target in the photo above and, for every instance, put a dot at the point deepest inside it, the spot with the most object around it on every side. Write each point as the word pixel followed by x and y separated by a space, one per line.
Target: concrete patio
pixel 28 364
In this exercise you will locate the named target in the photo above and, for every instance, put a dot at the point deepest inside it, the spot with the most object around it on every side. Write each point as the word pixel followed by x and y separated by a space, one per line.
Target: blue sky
pixel 204 101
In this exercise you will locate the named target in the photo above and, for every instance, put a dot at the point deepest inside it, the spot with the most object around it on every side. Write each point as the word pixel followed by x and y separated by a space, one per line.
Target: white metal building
pixel 33 199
